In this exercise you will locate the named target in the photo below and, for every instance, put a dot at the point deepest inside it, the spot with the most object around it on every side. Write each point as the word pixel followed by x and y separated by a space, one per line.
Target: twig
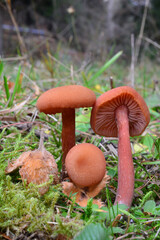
pixel 59 62
pixel 17 107
pixel 126 235
pixel 13 59
pixel 72 74
pixel 41 143
pixel 132 62
pixel 139 40
pixel 111 82
pixel 152 42
pixel 21 42
pixel 157 234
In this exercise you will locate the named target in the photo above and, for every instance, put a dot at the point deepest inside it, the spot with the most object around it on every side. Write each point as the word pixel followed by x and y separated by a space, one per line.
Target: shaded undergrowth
pixel 21 206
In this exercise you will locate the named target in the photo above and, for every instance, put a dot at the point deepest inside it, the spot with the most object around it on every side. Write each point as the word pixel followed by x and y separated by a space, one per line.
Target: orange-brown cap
pixel 72 96
pixel 85 164
pixel 103 119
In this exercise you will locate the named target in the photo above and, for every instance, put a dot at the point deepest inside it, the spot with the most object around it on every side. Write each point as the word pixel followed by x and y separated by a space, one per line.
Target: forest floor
pixel 24 213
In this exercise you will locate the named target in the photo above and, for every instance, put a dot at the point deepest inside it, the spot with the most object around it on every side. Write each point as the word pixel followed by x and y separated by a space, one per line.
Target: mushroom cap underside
pixel 71 96
pixel 103 120
pixel 85 164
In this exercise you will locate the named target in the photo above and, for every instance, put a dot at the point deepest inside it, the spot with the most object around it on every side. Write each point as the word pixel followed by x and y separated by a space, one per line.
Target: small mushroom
pixel 64 100
pixel 86 168
pixel 85 165
pixel 121 112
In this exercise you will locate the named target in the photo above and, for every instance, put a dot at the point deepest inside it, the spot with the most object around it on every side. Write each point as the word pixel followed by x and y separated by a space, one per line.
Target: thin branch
pixel 132 62
pixel 155 44
pixel 20 39
pixel 139 40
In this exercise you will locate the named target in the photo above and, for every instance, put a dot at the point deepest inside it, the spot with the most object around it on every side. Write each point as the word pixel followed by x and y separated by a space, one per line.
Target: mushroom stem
pixel 125 189
pixel 68 133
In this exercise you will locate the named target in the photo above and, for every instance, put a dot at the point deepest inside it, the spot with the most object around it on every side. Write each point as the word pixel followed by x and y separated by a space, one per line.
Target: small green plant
pixel 1 67
pixel 6 87
pixel 16 88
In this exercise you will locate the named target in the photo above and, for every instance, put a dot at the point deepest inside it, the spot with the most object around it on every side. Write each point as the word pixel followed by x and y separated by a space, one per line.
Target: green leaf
pixel 105 66
pixel 157 212
pixel 1 68
pixel 157 148
pixel 94 232
pixel 85 79
pixel 112 172
pixel 151 163
pixel 114 211
pixel 6 87
pixel 154 113
pixel 83 122
pixel 109 214
pixel 15 88
pixel 148 141
pixel 117 230
pixel 149 206
pixel 153 100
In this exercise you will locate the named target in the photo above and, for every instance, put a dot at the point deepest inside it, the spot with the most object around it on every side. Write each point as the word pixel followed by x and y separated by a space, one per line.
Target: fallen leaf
pixel 36 167
pixel 82 195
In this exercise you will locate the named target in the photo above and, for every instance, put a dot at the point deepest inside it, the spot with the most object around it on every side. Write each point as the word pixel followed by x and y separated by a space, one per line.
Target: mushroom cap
pixel 72 96
pixel 85 164
pixel 103 120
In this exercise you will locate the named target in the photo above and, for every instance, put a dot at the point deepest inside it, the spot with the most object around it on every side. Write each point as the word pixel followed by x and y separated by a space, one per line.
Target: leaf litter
pixel 36 167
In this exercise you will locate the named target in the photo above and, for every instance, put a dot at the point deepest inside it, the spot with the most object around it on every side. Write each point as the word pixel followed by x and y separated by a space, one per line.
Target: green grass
pixel 21 206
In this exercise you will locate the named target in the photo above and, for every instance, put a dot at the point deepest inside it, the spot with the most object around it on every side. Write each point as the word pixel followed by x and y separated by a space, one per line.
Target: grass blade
pixel 105 66
pixel 15 88
pixel 6 87
pixel 1 68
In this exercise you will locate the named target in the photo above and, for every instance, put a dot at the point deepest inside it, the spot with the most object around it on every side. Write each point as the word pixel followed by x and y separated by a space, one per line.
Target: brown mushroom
pixel 121 112
pixel 85 165
pixel 86 168
pixel 64 100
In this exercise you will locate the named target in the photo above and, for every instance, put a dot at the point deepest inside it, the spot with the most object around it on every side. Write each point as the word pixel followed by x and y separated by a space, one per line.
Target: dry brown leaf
pixel 95 190
pixel 15 108
pixel 36 167
pixel 75 192
pixel 12 166
pixel 82 195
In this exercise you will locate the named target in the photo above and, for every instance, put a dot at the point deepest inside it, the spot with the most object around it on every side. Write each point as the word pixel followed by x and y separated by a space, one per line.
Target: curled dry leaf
pixel 82 195
pixel 94 190
pixel 36 167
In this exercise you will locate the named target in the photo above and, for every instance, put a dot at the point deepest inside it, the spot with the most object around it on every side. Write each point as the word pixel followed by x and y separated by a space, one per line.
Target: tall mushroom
pixel 121 112
pixel 64 100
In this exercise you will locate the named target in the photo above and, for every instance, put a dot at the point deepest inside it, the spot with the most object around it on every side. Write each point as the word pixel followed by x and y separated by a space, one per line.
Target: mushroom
pixel 64 100
pixel 85 165
pixel 86 168
pixel 121 112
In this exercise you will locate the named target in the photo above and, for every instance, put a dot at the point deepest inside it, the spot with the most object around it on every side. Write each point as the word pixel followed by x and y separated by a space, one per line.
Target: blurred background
pixel 94 28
